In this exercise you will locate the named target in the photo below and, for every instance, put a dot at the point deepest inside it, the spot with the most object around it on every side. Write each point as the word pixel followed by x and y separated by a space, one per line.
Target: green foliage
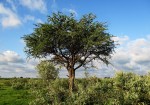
pixel 133 89
pixel 123 89
pixel 20 83
pixel 69 41
pixel 7 83
pixel 47 71
pixel 54 93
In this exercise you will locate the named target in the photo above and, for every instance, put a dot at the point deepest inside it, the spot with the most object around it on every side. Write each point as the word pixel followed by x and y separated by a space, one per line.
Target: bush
pixel 53 94
pixel 47 71
pixel 132 89
pixel 17 86
pixel 123 89
pixel 20 83
pixel 7 83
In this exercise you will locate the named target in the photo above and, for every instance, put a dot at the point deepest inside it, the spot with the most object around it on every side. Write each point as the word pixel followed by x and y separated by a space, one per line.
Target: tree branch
pixel 82 61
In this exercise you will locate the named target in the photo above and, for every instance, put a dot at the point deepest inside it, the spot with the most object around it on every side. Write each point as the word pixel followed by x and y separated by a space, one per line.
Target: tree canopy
pixel 70 42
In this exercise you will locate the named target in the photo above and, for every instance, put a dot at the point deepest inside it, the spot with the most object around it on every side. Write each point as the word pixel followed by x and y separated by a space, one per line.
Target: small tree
pixel 47 71
pixel 70 42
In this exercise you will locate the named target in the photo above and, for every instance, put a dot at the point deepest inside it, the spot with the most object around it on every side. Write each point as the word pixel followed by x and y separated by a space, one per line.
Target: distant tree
pixel 71 43
pixel 47 71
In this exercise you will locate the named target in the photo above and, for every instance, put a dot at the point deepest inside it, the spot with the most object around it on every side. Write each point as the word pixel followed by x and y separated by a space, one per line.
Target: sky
pixel 128 20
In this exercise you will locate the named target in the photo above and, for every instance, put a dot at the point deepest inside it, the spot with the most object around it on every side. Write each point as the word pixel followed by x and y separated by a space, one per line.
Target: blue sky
pixel 128 20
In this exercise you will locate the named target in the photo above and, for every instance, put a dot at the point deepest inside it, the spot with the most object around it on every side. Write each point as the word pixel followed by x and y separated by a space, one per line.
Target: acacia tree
pixel 70 42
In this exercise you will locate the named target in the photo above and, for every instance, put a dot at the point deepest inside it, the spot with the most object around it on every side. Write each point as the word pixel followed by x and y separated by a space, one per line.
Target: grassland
pixel 11 96
pixel 123 89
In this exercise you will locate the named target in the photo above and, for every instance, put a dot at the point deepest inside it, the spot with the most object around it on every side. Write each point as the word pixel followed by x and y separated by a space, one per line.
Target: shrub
pixel 47 71
pixel 123 89
pixel 17 86
pixel 7 83
pixel 53 94
pixel 132 88
pixel 20 83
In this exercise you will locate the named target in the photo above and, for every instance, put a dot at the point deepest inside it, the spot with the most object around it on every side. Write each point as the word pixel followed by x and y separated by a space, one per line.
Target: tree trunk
pixel 71 79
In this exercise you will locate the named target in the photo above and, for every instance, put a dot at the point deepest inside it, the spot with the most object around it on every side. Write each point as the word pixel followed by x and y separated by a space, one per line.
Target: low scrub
pixel 20 83
pixel 123 89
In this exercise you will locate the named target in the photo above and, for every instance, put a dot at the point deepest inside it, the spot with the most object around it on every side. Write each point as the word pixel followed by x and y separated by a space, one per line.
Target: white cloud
pixel 10 21
pixel 11 64
pixel 121 40
pixel 10 56
pixel 130 56
pixel 133 56
pixel 39 5
pixel 140 50
pixel 8 17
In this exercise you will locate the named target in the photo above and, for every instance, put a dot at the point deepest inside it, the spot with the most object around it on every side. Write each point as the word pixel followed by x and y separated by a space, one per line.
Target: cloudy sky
pixel 128 20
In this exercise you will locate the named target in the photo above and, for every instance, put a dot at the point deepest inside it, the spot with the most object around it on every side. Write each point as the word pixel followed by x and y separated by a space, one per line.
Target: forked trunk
pixel 71 79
